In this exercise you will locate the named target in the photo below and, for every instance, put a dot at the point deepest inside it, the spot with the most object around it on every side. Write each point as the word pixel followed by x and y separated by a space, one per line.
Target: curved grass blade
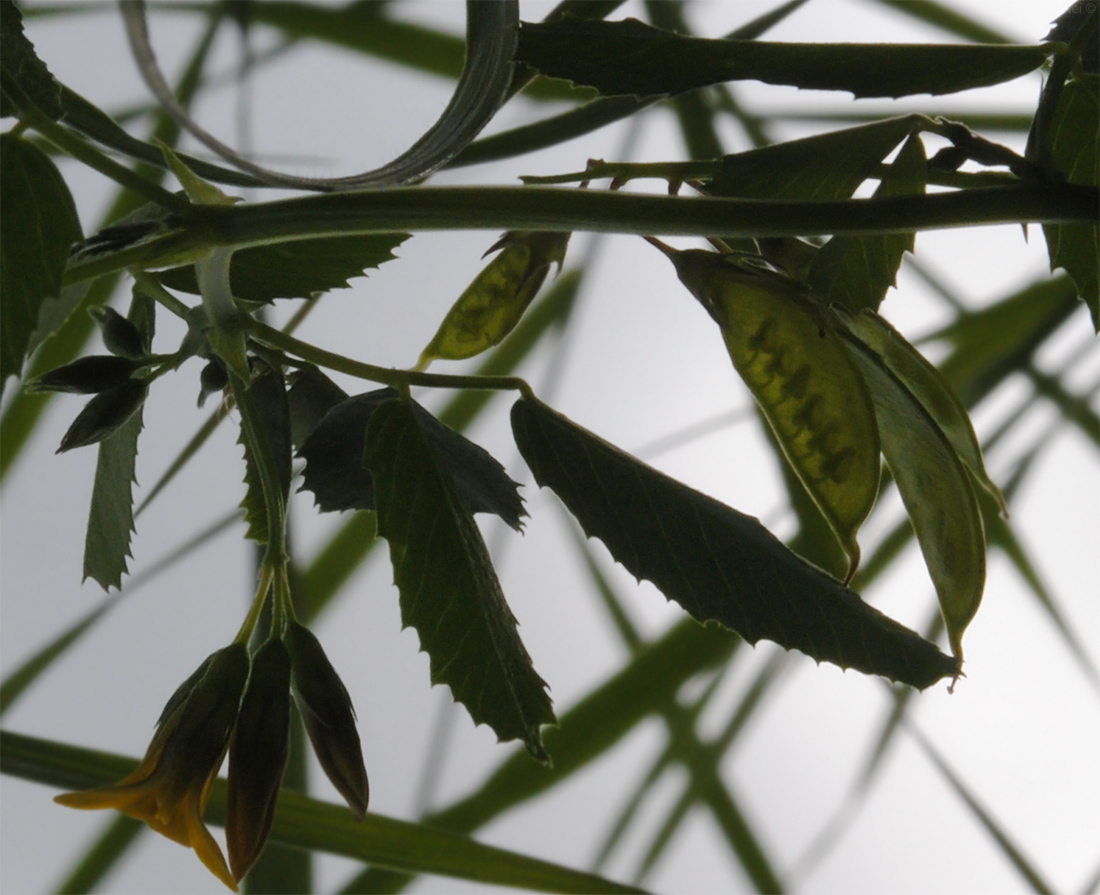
pixel 720 565
pixel 486 76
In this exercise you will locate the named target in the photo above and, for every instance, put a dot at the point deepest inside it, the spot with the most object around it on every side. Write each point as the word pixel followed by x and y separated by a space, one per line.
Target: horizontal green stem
pixel 385 375
pixel 549 209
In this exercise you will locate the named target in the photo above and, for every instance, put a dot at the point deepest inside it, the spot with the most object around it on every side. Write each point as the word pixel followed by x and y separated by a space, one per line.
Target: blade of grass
pixel 307 823
pixel 1011 851
pixel 118 836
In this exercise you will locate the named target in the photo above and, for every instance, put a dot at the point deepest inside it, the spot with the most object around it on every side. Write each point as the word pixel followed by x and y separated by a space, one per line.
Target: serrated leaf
pixel 491 306
pixel 39 225
pixel 1074 137
pixel 339 480
pixel 296 269
pixel 802 379
pixel 18 59
pixel 111 518
pixel 857 271
pixel 824 166
pixel 717 563
pixel 935 488
pixel 928 385
pixel 449 590
pixel 267 394
pixel 630 57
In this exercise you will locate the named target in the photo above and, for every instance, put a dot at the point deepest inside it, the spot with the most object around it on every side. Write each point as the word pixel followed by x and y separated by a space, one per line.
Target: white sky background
pixel 642 361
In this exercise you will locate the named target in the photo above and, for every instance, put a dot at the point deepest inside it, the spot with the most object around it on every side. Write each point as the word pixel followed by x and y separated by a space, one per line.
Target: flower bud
pixel 86 376
pixel 329 718
pixel 257 756
pixel 105 413
pixel 120 336
pixel 213 378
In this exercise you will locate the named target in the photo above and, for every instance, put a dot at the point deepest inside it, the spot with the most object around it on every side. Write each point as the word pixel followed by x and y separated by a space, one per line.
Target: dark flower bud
pixel 104 414
pixel 87 376
pixel 213 378
pixel 257 756
pixel 120 336
pixel 329 718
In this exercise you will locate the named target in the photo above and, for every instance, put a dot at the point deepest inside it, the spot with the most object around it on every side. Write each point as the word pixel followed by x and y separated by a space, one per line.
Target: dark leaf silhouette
pixel 338 479
pixel 449 590
pixel 717 563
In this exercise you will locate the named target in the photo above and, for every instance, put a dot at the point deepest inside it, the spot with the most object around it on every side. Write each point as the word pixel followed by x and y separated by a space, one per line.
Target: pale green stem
pixel 399 379
pixel 253 617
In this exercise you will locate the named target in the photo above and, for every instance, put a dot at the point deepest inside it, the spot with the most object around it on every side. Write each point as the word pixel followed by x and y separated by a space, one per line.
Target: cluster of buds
pixel 114 379
pixel 241 705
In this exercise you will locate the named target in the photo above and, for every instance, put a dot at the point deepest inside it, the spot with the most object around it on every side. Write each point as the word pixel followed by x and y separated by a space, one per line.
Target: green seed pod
pixel 258 753
pixel 785 348
pixel 120 336
pixel 493 303
pixel 105 413
pixel 86 376
pixel 326 710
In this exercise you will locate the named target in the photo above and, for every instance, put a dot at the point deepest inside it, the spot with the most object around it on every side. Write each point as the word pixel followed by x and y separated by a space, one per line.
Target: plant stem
pixel 400 379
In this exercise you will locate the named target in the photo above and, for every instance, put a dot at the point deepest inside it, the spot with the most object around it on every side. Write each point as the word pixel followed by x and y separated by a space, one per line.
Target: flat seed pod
pixel 935 488
pixel 928 386
pixel 804 380
pixel 493 303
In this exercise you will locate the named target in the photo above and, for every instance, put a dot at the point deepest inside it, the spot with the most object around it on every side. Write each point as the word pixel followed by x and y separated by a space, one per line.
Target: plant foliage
pixel 807 237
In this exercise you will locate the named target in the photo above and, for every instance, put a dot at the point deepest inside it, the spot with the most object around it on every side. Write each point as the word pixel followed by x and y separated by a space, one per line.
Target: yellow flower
pixel 169 789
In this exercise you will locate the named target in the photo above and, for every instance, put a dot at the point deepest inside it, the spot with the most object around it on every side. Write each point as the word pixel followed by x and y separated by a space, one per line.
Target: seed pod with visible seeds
pixel 86 376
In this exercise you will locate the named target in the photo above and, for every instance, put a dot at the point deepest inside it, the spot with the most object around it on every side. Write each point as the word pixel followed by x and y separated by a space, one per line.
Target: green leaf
pixel 491 306
pixel 824 166
pixel 449 589
pixel 267 394
pixel 717 563
pixel 928 386
pixel 935 488
pixel 857 271
pixel 630 57
pixel 39 223
pixel 111 518
pixel 1074 137
pixel 18 58
pixel 339 481
pixel 802 379
pixel 320 826
pixel 296 269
